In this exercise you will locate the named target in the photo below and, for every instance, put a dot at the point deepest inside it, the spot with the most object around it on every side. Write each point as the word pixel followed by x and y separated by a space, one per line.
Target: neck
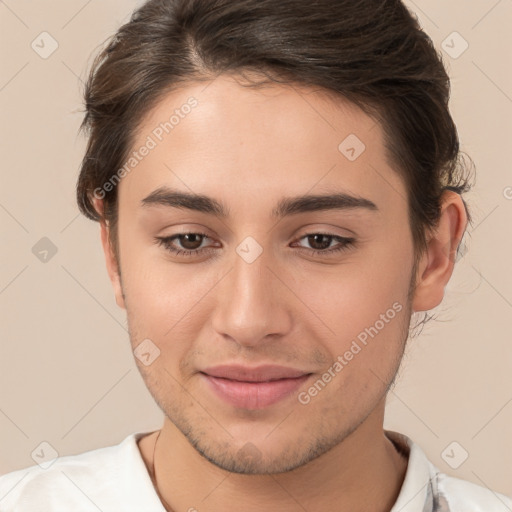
pixel 363 472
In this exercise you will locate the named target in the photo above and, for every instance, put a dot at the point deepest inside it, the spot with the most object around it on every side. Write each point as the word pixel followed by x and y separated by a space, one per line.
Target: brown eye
pixel 190 241
pixel 186 244
pixel 320 243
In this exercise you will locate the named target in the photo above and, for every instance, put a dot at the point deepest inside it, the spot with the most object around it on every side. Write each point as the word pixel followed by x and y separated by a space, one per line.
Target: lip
pixel 253 374
pixel 253 388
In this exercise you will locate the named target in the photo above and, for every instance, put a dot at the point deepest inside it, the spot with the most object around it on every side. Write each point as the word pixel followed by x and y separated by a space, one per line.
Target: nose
pixel 253 303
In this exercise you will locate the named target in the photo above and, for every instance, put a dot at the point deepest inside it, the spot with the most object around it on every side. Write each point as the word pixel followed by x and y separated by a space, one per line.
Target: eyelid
pixel 325 229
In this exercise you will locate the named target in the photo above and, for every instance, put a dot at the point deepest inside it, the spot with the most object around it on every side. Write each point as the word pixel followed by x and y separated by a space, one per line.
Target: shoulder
pixel 427 489
pixel 69 481
pixel 462 495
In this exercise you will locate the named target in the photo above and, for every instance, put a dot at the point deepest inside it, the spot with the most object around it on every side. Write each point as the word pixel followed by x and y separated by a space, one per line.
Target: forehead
pixel 225 139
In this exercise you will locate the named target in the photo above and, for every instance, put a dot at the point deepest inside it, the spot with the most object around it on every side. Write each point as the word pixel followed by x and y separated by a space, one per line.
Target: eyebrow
pixel 164 196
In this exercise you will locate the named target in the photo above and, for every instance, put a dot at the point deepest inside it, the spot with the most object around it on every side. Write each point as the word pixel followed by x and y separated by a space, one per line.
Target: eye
pixel 191 243
pixel 321 243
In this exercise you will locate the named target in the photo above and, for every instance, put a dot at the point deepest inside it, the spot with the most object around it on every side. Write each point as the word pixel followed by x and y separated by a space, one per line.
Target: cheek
pixel 364 304
pixel 162 297
pixel 351 297
pixel 146 278
pixel 367 322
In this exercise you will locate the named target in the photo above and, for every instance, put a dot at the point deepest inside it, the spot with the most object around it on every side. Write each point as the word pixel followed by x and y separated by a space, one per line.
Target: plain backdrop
pixel 67 374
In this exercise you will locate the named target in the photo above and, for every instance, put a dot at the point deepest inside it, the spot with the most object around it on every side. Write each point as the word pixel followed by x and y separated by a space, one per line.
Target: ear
pixel 110 258
pixel 438 261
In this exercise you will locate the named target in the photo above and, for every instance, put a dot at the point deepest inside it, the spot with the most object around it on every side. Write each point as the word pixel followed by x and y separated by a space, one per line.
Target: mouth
pixel 253 388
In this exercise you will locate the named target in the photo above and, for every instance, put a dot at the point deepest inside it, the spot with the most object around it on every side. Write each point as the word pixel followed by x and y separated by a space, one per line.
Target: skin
pixel 287 307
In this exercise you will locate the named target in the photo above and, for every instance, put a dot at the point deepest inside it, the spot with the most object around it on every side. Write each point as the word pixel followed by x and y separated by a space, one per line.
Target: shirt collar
pixel 418 489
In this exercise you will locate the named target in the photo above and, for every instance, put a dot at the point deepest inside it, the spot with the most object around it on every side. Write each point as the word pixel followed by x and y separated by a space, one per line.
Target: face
pixel 318 286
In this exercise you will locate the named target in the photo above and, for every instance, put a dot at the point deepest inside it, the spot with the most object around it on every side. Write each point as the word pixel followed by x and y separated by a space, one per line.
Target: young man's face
pixel 258 295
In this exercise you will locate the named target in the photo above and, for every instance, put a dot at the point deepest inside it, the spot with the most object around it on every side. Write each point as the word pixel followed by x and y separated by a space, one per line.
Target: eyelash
pixel 166 242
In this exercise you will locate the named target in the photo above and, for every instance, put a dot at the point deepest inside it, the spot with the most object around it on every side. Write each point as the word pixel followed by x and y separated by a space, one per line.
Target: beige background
pixel 66 372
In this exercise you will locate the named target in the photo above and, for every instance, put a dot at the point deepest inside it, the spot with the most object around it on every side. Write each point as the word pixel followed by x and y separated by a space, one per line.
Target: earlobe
pixel 110 257
pixel 438 261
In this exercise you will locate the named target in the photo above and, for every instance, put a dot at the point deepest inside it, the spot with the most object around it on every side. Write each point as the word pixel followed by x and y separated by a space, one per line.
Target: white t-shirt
pixel 115 479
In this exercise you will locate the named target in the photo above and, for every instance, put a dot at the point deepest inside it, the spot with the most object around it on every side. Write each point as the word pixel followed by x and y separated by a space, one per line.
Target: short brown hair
pixel 371 52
